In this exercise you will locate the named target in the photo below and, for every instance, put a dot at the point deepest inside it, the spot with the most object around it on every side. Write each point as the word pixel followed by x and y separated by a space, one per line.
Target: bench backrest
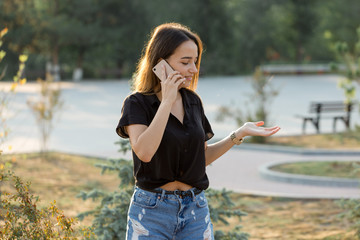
pixel 322 107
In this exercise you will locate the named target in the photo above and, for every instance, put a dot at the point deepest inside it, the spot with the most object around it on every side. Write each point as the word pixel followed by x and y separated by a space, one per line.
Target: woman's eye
pixel 185 63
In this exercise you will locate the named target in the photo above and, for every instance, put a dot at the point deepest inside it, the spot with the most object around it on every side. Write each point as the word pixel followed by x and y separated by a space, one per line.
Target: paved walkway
pixel 238 170
pixel 92 109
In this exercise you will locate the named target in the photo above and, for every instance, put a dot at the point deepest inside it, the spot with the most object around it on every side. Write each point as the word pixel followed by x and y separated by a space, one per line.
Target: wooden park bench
pixel 338 111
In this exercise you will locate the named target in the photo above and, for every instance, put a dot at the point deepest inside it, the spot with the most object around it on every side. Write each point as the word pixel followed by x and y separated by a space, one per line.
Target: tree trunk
pixel 78 71
pixel 55 63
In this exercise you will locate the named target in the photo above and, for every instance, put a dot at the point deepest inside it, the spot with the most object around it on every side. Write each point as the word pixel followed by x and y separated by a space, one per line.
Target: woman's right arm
pixel 145 140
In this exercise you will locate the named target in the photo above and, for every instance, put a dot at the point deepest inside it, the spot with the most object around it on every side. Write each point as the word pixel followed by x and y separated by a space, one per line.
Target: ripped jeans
pixel 161 216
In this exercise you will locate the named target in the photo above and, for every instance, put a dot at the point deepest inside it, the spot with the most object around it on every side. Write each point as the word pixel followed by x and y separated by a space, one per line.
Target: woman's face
pixel 183 60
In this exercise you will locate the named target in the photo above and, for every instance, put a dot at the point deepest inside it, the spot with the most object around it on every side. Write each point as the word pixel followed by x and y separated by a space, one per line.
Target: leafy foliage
pixel 99 36
pixel 6 95
pixel 22 219
pixel 350 57
pixel 220 207
pixel 352 213
pixel 110 217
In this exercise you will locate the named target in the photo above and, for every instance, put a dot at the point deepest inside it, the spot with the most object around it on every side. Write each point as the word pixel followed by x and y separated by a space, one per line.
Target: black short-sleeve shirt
pixel 181 154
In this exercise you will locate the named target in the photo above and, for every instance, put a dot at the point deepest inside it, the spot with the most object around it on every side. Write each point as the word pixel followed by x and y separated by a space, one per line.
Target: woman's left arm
pixel 216 150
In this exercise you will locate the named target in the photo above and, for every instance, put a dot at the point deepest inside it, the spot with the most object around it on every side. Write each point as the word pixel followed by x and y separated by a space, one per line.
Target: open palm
pixel 255 129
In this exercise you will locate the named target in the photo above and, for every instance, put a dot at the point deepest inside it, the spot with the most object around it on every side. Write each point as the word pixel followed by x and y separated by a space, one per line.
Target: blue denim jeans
pixel 161 216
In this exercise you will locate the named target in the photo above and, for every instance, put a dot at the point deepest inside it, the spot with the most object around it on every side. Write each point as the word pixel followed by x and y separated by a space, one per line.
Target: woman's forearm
pixel 216 150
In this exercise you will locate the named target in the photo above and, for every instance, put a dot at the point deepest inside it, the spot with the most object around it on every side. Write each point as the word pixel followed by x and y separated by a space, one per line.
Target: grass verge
pixel 339 141
pixel 339 169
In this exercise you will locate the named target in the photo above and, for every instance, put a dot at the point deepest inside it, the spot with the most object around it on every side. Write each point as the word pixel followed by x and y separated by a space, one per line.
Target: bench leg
pixel 317 125
pixel 315 122
pixel 347 123
pixel 304 126
pixel 334 124
pixel 345 120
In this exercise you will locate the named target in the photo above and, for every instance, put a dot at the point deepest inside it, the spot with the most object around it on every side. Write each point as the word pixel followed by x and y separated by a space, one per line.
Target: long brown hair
pixel 164 40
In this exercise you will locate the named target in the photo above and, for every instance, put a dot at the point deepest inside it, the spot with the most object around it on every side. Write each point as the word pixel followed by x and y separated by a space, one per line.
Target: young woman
pixel 168 132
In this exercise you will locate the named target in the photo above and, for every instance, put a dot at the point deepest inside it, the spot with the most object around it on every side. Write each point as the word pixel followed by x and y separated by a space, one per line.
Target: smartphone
pixel 158 69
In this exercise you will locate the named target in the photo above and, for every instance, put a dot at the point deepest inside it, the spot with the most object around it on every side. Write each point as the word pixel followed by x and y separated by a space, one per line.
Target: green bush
pixel 20 217
pixel 352 213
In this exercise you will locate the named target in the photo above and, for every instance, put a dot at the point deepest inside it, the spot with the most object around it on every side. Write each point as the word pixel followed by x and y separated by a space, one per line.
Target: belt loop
pixel 162 194
pixel 193 194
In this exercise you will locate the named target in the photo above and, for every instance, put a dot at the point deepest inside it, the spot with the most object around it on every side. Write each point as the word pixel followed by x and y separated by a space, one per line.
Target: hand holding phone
pixel 158 70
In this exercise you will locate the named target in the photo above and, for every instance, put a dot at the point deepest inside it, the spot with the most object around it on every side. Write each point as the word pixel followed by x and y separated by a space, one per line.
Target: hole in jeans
pixel 138 229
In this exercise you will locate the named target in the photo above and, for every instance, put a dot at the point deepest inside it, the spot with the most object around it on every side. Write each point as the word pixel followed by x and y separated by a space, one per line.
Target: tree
pixel 82 32
pixel 304 22
pixel 105 38
pixel 18 16
pixel 46 109
pixel 262 96
pixel 349 56
pixel 260 27
pixel 125 26
pixel 218 35
pixel 339 19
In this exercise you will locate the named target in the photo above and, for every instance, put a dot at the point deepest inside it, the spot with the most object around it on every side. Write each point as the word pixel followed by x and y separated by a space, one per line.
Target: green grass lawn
pixel 338 169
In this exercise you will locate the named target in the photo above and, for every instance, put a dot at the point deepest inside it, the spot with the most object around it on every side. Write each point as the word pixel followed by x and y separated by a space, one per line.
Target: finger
pixel 174 78
pixel 273 131
pixel 272 128
pixel 177 77
pixel 259 123
pixel 180 81
pixel 172 74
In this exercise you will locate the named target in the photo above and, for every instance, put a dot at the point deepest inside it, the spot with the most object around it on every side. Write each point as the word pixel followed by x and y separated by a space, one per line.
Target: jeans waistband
pixel 188 193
